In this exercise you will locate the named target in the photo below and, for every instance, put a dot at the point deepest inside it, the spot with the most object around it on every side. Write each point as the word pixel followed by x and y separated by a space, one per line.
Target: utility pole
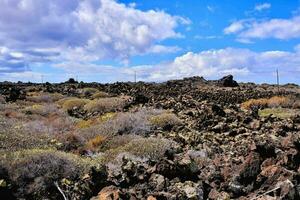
pixel 42 77
pixel 134 76
pixel 277 80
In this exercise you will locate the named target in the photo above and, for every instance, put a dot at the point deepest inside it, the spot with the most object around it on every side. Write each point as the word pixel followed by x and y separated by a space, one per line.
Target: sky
pixel 158 40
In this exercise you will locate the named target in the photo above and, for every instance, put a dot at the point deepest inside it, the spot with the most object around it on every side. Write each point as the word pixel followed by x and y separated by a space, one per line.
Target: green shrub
pixel 34 172
pixel 152 148
pixel 99 95
pixel 44 97
pixel 115 142
pixel 282 113
pixel 72 103
pixel 104 105
pixel 165 120
pixel 14 136
pixel 43 110
pixel 122 123
pixel 88 92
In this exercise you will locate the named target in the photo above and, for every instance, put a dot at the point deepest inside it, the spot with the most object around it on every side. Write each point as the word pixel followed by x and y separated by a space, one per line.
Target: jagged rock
pixel 249 156
pixel 127 170
pixel 15 94
pixel 249 169
pixel 218 110
pixel 189 190
pixel 108 193
pixel 227 81
pixel 140 99
pixel 157 181
pixel 215 195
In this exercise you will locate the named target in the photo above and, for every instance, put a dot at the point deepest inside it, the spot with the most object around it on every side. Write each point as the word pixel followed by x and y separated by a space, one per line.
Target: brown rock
pixel 151 198
pixel 109 193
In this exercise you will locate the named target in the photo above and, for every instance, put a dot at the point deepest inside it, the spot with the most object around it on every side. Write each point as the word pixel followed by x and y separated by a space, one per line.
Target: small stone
pixel 151 198
pixel 157 181
pixel 109 193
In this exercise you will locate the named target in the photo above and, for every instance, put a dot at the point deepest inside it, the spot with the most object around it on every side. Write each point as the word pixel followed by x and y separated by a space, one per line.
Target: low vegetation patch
pixel 94 143
pixel 88 92
pixel 152 148
pixel 282 113
pixel 100 94
pixel 104 105
pixel 273 102
pixel 94 121
pixel 165 120
pixel 43 110
pixel 34 172
pixel 14 136
pixel 43 97
pixel 72 103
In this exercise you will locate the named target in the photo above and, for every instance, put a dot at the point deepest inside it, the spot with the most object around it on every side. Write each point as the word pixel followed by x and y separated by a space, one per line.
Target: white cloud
pixel 209 37
pixel 245 64
pixel 210 9
pixel 283 29
pixel 262 6
pixel 234 27
pixel 163 49
pixel 89 30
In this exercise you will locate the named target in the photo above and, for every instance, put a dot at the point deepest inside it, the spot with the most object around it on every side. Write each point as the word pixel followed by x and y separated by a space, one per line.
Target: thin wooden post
pixel 277 80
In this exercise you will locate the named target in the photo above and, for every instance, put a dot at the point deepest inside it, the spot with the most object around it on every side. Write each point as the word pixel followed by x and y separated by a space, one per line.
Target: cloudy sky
pixel 111 40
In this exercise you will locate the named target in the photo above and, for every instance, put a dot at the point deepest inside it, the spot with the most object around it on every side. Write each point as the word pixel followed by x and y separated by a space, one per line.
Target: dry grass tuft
pixel 43 97
pixel 88 92
pixel 100 94
pixel 72 103
pixel 276 101
pixel 151 148
pixel 15 136
pixel 165 120
pixel 283 113
pixel 94 121
pixel 43 110
pixel 94 143
pixel 279 101
pixel 104 105
pixel 35 171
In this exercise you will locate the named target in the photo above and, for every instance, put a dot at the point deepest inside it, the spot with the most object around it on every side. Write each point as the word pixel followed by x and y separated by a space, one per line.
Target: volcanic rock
pixel 227 81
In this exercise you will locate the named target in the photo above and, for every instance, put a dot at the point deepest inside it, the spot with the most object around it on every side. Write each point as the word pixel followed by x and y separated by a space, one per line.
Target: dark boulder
pixel 15 94
pixel 227 81
pixel 141 99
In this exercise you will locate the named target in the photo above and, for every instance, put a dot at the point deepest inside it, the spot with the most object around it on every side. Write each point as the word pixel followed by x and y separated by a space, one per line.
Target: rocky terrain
pixel 181 139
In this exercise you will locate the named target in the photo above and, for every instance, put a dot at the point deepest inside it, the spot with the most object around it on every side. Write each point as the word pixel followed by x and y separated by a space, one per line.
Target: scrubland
pixel 184 139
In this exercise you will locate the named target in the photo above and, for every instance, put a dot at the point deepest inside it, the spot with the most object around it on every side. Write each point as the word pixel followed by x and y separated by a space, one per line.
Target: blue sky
pixel 108 40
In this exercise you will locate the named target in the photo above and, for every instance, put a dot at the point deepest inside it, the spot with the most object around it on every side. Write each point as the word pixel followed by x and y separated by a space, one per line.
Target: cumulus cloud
pixel 262 6
pixel 89 30
pixel 245 64
pixel 283 29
